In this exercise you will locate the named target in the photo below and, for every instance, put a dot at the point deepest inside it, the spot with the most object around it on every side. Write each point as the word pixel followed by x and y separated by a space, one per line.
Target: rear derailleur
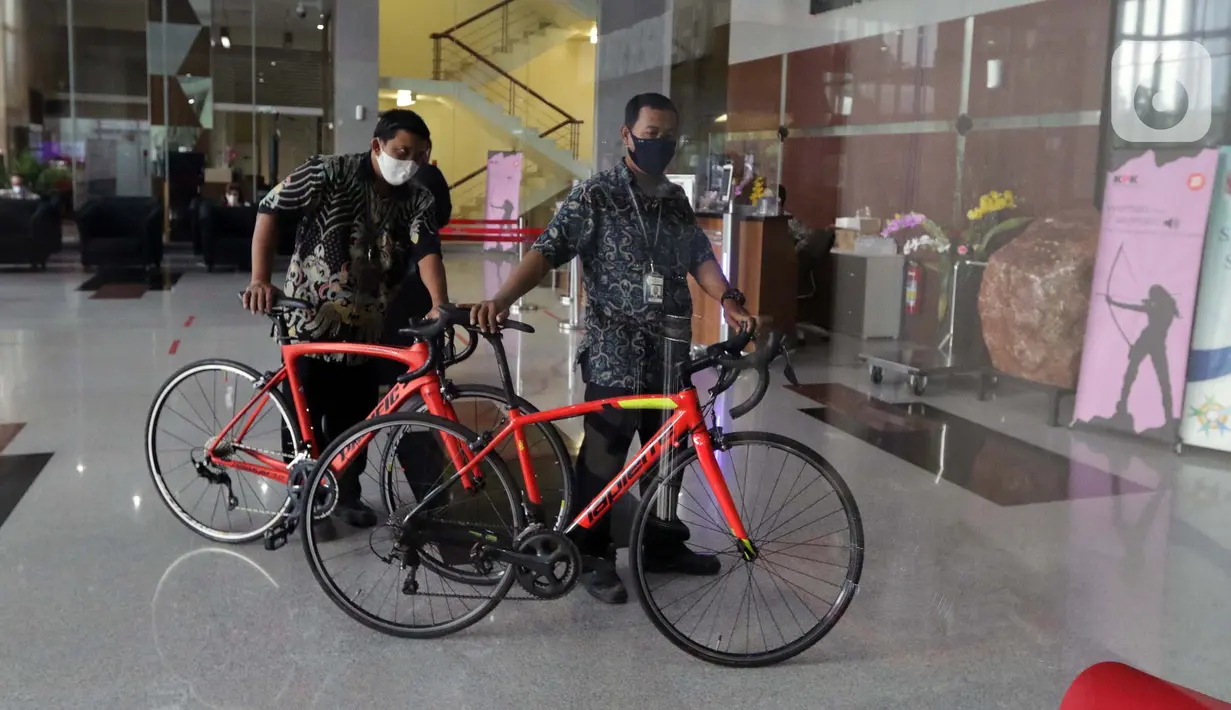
pixel 215 477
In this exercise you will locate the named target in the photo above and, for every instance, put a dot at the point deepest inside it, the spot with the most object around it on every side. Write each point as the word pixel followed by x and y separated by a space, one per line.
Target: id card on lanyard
pixel 652 286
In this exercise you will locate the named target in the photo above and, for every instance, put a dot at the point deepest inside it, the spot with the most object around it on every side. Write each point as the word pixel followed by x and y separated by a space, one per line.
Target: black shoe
pixel 667 529
pixel 676 557
pixel 324 530
pixel 357 514
pixel 605 585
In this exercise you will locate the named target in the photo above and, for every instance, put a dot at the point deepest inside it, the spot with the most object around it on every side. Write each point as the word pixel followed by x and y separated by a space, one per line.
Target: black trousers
pixel 339 396
pixel 607 437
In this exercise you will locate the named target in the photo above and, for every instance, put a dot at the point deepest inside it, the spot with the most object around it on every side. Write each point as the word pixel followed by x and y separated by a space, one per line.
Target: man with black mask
pixel 638 240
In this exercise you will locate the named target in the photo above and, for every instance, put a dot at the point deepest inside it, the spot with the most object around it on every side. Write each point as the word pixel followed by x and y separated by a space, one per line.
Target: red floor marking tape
pixel 553 316
pixel 175 345
pixel 188 323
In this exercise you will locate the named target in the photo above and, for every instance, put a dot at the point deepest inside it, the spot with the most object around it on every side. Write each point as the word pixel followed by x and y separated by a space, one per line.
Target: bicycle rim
pixel 806 528
pixel 196 415
pixel 363 573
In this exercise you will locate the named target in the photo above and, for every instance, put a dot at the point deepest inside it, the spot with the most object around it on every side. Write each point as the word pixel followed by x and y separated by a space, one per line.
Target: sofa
pixel 226 234
pixel 29 232
pixel 121 231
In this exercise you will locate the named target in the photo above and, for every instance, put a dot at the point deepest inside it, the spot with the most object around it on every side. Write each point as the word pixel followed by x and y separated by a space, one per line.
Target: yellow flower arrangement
pixel 991 203
pixel 758 190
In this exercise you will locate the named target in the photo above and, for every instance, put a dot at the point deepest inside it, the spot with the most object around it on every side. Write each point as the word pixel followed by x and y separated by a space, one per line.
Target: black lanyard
pixel 645 233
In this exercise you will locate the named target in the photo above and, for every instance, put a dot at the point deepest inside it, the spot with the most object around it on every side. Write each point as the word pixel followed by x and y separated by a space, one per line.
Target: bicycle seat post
pixel 502 365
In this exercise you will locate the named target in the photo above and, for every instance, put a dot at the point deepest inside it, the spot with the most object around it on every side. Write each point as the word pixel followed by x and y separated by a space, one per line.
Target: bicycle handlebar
pixel 456 316
pixel 729 358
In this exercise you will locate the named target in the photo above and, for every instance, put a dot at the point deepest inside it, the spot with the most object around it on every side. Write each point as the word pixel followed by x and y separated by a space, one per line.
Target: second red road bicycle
pixel 228 452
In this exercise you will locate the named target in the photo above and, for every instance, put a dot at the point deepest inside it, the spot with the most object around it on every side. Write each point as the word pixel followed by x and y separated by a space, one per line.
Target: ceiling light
pixel 320 25
pixel 273 64
pixel 224 36
pixel 594 34
pixel 191 101
pixel 721 119
pixel 406 98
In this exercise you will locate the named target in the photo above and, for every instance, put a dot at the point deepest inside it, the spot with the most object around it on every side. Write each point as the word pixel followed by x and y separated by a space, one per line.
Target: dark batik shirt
pixel 353 247
pixel 623 344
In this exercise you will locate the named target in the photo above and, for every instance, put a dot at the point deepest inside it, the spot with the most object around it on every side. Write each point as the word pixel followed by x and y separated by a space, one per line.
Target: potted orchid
pixel 990 219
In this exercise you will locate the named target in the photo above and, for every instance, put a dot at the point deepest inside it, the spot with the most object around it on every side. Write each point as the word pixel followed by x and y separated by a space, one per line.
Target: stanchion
pixel 676 338
pixel 729 267
pixel 522 306
pixel 573 324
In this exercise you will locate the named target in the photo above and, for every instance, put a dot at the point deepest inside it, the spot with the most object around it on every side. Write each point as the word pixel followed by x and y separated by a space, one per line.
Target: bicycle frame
pixel 687 419
pixel 427 386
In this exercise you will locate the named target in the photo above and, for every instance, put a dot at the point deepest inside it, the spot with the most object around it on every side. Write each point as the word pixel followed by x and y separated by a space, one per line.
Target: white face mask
pixel 233 200
pixel 396 172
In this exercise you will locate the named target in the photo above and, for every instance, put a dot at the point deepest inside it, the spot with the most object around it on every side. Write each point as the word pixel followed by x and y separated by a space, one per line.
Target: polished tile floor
pixel 1002 556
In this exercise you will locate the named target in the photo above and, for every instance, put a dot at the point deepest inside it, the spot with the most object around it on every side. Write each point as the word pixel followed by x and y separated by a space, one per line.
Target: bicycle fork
pixel 703 443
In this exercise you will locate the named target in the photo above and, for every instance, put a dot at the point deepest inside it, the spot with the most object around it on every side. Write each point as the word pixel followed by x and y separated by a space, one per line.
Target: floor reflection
pixel 988 463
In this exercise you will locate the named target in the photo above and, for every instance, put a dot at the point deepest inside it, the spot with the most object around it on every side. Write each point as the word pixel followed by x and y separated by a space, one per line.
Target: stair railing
pixel 459 55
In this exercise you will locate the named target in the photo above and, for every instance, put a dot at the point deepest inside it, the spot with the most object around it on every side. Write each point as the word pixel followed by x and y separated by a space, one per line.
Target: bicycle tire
pixel 559 450
pixel 155 469
pixel 495 468
pixel 812 636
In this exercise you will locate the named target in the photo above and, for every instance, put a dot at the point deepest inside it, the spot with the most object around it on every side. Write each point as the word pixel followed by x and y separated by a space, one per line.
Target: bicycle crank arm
pixel 533 563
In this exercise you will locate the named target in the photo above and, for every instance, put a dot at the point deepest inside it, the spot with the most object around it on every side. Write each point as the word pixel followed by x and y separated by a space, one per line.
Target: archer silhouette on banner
pixel 1161 312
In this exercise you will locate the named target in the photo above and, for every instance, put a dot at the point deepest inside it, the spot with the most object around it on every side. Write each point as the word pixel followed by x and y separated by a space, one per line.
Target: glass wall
pixel 171 99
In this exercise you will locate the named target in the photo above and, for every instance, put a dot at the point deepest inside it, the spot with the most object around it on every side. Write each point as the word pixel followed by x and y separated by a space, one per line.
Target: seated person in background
pixel 18 190
pixel 234 197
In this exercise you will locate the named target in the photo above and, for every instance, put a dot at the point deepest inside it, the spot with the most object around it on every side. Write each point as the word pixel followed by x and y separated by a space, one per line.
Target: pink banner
pixel 1145 287
pixel 503 192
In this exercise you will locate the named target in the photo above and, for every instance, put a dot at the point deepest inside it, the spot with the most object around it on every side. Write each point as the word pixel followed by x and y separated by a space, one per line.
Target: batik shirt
pixel 353 246
pixel 602 221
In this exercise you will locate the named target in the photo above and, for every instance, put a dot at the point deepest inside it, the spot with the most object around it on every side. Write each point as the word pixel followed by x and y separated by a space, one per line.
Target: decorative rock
pixel 1035 295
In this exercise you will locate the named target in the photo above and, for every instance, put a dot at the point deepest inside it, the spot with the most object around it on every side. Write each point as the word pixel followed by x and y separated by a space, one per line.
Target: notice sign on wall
pixel 1145 289
pixel 1207 402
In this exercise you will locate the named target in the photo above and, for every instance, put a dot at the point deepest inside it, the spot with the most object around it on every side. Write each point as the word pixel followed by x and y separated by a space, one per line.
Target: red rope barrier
pixel 450 234
pixel 483 221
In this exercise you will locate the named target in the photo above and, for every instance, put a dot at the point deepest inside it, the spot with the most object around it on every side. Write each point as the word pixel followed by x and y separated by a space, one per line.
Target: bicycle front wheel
pixel 802 520
pixel 219 501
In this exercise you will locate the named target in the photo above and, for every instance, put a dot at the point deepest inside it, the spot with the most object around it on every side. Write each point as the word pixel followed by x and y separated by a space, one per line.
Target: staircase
pixel 473 60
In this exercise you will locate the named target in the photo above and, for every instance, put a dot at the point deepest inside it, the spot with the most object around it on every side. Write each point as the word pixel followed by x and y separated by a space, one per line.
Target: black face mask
pixel 653 155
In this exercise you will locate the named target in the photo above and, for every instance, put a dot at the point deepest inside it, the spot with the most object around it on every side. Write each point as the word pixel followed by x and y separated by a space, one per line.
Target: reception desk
pixel 762 266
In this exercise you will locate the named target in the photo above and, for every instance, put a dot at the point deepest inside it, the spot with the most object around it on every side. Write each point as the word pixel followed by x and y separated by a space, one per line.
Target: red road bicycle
pixel 229 458
pixel 445 559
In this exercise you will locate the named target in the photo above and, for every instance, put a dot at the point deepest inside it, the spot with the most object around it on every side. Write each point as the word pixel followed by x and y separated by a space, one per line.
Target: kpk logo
pixel 1125 179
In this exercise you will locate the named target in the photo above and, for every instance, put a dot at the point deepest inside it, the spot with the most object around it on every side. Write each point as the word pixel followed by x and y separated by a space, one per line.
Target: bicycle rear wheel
pixel 805 527
pixel 219 502
pixel 367 575
pixel 483 408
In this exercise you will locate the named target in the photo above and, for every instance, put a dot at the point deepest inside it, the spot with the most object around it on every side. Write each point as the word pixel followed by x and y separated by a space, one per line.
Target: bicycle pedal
pixel 277 537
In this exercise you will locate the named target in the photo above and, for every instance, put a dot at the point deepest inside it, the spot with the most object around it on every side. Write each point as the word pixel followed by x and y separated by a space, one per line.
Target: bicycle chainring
pixel 555 549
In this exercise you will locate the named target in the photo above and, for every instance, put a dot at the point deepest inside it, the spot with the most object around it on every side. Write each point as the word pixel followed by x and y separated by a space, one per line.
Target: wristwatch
pixel 733 294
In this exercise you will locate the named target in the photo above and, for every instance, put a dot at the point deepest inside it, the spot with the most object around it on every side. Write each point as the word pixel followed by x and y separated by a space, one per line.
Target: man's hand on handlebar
pixel 737 317
pixel 260 296
pixel 488 315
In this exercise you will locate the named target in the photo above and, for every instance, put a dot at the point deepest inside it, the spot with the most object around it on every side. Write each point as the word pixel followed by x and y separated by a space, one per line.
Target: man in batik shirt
pixel 638 241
